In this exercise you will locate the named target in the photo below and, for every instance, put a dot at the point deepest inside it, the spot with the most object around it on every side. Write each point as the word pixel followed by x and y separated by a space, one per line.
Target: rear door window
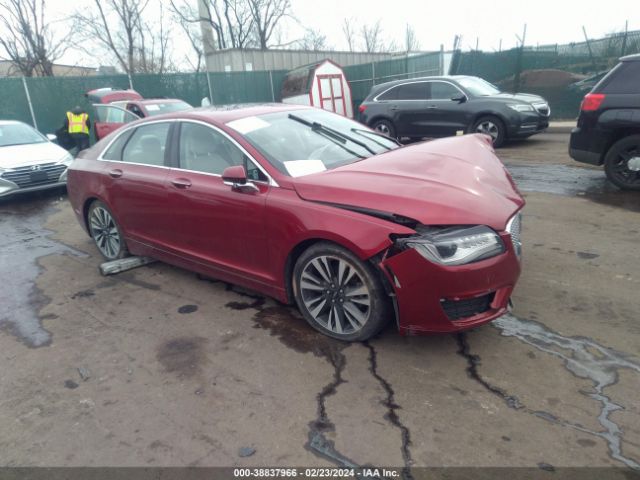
pixel 147 144
pixel 113 114
pixel 625 79
pixel 412 91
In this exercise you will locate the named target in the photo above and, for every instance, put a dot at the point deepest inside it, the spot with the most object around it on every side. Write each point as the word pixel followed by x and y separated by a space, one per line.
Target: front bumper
pixel 434 298
pixel 23 184
pixel 527 124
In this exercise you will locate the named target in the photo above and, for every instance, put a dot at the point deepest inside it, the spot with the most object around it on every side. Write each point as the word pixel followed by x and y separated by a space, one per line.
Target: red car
pixel 307 206
pixel 114 108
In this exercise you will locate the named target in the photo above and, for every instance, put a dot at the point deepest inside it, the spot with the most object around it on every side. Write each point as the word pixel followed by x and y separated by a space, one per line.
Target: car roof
pixel 12 122
pixel 417 79
pixel 631 58
pixel 151 101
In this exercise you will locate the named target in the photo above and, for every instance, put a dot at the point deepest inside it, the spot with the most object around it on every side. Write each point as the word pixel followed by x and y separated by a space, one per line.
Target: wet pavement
pixel 185 370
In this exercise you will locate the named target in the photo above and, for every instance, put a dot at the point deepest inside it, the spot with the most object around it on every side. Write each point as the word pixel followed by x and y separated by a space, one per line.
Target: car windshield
pixel 19 134
pixel 301 142
pixel 158 108
pixel 477 86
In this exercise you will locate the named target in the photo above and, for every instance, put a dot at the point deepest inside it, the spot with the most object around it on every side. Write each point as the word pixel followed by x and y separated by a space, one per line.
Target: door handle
pixel 432 107
pixel 393 108
pixel 181 183
pixel 115 173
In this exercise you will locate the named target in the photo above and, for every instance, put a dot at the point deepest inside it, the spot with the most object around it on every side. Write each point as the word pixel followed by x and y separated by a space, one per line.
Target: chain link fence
pixel 550 70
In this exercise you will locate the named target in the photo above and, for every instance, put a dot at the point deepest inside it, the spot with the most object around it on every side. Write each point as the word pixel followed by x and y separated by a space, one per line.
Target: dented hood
pixel 453 181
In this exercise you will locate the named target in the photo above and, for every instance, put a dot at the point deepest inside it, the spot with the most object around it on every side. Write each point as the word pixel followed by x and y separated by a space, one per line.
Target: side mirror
pixel 460 98
pixel 236 178
pixel 51 137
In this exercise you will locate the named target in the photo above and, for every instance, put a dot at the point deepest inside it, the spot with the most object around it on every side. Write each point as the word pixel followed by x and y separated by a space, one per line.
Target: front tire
pixel 338 294
pixel 492 126
pixel 105 232
pixel 622 163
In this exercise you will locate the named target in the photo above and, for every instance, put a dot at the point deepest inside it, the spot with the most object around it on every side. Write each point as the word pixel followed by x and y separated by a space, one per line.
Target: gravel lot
pixel 157 367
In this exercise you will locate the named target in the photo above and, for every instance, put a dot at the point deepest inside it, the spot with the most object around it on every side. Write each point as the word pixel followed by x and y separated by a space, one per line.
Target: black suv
pixel 608 130
pixel 452 105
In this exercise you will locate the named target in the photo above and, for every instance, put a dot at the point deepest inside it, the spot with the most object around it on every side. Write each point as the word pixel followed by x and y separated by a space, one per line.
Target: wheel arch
pixel 299 248
pixel 616 136
pixel 85 212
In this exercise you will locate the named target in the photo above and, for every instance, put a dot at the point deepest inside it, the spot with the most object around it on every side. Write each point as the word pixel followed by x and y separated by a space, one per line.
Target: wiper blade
pixel 337 139
pixel 318 126
pixel 365 133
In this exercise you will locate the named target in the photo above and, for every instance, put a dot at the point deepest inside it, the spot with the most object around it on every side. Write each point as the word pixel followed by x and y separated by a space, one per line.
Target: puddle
pixel 24 241
pixel 585 359
pixel 573 181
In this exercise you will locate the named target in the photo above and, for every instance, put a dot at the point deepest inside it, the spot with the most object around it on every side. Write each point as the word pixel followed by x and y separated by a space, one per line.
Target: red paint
pixel 195 221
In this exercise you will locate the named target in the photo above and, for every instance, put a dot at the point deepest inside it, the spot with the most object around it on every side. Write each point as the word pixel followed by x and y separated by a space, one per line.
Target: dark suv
pixel 452 105
pixel 608 130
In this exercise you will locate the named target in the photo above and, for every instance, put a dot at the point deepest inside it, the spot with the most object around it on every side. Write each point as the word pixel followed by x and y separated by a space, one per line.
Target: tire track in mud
pixel 578 357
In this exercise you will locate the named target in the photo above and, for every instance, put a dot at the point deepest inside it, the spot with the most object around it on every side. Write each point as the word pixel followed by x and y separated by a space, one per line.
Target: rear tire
pixel 338 294
pixel 105 232
pixel 385 127
pixel 622 163
pixel 492 126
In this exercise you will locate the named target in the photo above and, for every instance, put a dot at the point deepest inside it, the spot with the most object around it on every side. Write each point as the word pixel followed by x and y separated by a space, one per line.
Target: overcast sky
pixel 437 22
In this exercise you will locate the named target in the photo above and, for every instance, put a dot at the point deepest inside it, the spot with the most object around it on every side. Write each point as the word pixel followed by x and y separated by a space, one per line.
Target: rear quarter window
pixel 624 79
pixel 114 152
pixel 391 94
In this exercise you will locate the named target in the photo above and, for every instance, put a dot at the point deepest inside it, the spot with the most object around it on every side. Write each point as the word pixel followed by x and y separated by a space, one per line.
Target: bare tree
pixel 373 39
pixel 240 22
pixel 184 16
pixel 266 16
pixel 350 33
pixel 29 41
pixel 120 27
pixel 313 40
pixel 411 43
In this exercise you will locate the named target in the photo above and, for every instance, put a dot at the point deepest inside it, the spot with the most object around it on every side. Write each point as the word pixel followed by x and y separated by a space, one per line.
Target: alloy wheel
pixel 488 128
pixel 626 167
pixel 383 128
pixel 105 232
pixel 335 294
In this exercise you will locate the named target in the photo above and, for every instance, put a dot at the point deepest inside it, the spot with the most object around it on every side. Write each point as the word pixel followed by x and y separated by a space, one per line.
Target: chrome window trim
pixel 271 181
pixel 375 99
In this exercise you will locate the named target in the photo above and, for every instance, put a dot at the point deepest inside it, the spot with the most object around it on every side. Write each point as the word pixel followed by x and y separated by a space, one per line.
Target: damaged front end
pixel 450 278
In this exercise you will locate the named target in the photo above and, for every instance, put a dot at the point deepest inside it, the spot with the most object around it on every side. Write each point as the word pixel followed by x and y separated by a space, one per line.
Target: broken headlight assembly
pixel 457 245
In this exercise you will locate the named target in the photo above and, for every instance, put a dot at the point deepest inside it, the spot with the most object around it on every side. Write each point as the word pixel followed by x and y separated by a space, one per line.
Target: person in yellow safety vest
pixel 78 125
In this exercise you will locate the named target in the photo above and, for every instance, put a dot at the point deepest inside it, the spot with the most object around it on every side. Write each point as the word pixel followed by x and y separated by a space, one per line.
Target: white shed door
pixel 332 93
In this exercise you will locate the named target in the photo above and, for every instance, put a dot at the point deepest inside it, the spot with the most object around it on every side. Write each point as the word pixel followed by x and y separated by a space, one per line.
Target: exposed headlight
pixel 66 160
pixel 455 245
pixel 521 107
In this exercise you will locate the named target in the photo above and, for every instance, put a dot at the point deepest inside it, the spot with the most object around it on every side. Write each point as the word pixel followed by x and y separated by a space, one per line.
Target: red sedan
pixel 311 208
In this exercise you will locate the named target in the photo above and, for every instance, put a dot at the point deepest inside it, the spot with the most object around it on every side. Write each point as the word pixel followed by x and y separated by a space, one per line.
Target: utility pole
pixel 624 40
pixel 516 77
pixel 586 38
